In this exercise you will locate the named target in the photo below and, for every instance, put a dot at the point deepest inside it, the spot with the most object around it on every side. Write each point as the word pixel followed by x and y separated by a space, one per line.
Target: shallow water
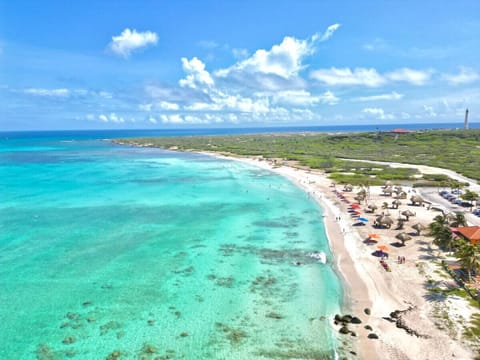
pixel 144 252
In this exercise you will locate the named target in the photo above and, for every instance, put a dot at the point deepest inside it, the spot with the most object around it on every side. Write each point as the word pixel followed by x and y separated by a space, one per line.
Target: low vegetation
pixel 458 150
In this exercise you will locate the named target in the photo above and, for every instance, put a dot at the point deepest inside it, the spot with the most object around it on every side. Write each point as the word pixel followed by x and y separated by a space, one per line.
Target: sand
pixel 368 285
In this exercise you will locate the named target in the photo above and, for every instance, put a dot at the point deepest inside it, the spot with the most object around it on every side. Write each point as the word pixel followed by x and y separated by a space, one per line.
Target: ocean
pixel 111 251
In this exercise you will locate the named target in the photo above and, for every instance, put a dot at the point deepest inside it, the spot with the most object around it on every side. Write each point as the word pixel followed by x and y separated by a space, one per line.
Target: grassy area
pixel 458 150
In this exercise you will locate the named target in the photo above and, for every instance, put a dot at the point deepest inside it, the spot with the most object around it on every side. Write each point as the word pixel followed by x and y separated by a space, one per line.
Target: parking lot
pixel 432 195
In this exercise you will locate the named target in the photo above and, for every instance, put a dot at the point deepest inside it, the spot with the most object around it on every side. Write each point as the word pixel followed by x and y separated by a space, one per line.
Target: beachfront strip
pixel 397 281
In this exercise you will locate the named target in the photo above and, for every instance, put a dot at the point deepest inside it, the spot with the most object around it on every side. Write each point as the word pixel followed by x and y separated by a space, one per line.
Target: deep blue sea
pixel 109 134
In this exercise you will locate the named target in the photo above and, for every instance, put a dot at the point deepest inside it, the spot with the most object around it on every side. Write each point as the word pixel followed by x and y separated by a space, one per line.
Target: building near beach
pixel 469 233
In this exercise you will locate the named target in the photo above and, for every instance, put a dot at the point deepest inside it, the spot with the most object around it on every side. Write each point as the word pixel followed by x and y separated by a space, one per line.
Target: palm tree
pixel 458 220
pixel 440 230
pixel 470 196
pixel 469 256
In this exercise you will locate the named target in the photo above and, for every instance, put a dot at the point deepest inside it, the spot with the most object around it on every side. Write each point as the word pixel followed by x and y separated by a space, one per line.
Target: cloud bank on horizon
pixel 310 80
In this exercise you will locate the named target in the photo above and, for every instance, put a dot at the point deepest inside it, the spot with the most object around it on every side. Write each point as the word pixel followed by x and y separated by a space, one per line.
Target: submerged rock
pixel 44 352
pixel 111 325
pixel 114 355
pixel 355 320
pixel 149 349
pixel 274 315
pixel 69 340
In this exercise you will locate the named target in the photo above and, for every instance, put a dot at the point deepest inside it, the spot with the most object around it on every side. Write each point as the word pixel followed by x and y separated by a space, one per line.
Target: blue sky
pixel 158 64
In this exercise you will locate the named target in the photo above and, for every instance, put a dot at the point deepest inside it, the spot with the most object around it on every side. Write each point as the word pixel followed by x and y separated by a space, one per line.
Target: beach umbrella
pixel 362 192
pixel 388 190
pixel 402 195
pixel 388 183
pixel 384 220
pixel 370 241
pixel 396 203
pixel 372 207
pixel 416 199
pixel 383 248
pixel 355 206
pixel 419 227
pixel 407 213
pixel 348 187
pixel 373 236
pixel 363 219
pixel 403 237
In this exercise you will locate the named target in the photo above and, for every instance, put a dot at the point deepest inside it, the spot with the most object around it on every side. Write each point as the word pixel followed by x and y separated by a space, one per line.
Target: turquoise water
pixel 142 253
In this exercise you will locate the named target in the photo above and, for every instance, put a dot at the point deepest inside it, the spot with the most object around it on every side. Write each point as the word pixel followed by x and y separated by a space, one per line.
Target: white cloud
pixel 283 60
pixel 391 96
pixel 303 98
pixel 196 73
pixel 172 119
pixel 345 76
pixel 129 41
pixel 429 110
pixel 240 53
pixel 375 45
pixel 48 92
pixel 369 77
pixel 105 94
pixel 112 118
pixel 329 32
pixel 166 105
pixel 414 77
pixel 152 120
pixel 207 44
pixel 145 107
pixel 465 76
pixel 378 113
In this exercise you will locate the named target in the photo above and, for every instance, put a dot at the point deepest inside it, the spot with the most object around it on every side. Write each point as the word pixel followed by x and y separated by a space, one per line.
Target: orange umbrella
pixel 373 236
pixel 382 248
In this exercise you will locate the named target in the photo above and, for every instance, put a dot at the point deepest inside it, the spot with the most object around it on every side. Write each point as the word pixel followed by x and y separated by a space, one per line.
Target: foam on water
pixel 146 252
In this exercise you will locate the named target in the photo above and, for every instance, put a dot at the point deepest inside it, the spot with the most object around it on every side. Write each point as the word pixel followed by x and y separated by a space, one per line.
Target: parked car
pixel 476 212
pixel 457 191
pixel 457 201
pixel 443 192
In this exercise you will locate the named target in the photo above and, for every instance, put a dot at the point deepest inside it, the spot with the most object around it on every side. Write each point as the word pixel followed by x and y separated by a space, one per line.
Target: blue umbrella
pixel 362 219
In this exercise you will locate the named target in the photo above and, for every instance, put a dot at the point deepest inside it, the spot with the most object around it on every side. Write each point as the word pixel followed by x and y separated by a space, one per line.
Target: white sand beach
pixel 368 285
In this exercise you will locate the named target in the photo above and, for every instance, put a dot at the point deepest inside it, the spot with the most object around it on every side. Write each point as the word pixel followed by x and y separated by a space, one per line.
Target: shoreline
pixel 367 285
pixel 354 287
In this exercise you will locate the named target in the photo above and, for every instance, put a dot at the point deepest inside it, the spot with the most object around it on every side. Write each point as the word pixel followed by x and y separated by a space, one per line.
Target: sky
pixel 176 64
